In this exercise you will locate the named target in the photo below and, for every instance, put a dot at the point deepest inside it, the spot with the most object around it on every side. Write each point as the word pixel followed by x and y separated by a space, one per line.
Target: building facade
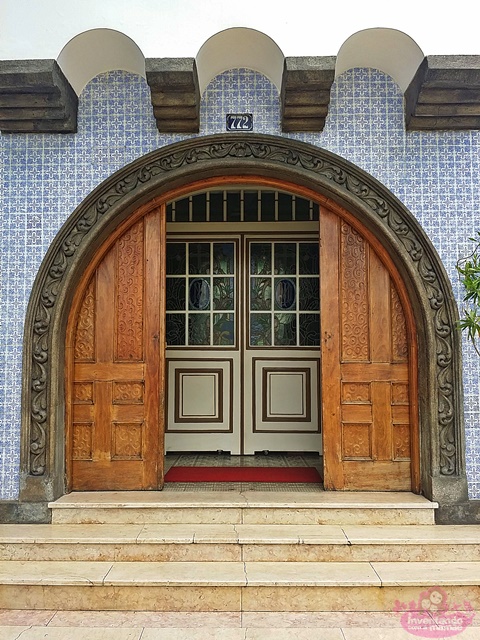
pixel 362 165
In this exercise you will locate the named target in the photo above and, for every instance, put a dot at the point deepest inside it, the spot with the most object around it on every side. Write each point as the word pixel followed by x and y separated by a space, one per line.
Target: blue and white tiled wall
pixel 44 177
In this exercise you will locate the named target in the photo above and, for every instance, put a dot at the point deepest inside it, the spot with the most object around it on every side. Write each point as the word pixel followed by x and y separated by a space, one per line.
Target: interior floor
pixel 257 460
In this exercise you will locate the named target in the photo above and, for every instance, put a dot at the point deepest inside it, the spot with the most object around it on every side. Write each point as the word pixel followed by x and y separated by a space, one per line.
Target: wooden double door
pixel 116 381
pixel 243 341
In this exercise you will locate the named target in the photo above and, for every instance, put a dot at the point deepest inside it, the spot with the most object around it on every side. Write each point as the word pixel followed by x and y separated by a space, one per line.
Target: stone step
pixel 233 586
pixel 240 543
pixel 249 507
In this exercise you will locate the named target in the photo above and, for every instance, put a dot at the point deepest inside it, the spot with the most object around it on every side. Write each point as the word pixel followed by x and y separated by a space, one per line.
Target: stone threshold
pixel 232 586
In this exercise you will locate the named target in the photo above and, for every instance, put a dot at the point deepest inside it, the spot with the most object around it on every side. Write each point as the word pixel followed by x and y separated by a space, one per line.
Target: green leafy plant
pixel 469 273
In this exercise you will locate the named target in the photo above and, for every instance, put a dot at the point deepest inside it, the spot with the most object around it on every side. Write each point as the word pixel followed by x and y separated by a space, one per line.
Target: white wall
pixel 178 28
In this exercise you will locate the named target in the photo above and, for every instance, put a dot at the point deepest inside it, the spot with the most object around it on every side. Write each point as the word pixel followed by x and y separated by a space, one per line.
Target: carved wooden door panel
pixel 115 400
pixel 366 388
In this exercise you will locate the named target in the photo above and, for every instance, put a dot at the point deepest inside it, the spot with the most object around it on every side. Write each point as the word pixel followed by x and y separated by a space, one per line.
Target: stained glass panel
pixel 308 263
pixel 285 293
pixel 309 329
pixel 260 330
pixel 199 257
pixel 223 329
pixel 176 258
pixel 175 294
pixel 199 294
pixel 260 258
pixel 199 329
pixel 260 294
pixel 285 325
pixel 285 258
pixel 223 258
pixel 223 294
pixel 175 329
pixel 309 294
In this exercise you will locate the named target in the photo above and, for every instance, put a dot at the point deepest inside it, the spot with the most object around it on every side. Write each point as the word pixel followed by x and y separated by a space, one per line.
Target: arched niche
pixel 442 463
pixel 239 47
pixel 389 50
pixel 97 51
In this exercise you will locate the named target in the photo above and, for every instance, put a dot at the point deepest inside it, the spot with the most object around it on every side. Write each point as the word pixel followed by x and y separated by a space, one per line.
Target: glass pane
pixel 182 208
pixel 223 294
pixel 284 206
pixel 260 258
pixel 308 258
pixel 199 257
pixel 216 206
pixel 302 209
pixel 175 294
pixel 309 294
pixel 250 206
pixel 309 329
pixel 199 208
pixel 285 293
pixel 199 328
pixel 233 206
pixel 260 294
pixel 176 260
pixel 268 206
pixel 223 329
pixel 285 329
pixel 199 294
pixel 175 329
pixel 223 258
pixel 285 258
pixel 260 330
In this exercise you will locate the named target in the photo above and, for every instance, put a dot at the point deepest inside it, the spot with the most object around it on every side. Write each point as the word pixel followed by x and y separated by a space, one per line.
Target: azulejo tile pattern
pixel 45 176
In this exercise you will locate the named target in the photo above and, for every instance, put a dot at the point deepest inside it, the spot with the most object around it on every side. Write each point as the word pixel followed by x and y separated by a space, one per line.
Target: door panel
pixel 115 419
pixel 366 396
pixel 282 405
pixel 203 364
pixel 203 394
pixel 282 337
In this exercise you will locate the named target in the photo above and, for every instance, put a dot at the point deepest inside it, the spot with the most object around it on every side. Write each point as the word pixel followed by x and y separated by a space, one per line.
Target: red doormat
pixel 243 474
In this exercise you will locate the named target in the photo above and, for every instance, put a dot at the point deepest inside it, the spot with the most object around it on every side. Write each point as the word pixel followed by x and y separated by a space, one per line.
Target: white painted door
pixel 243 343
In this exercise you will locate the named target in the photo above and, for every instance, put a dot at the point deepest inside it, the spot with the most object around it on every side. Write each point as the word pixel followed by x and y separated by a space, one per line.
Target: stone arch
pixel 443 475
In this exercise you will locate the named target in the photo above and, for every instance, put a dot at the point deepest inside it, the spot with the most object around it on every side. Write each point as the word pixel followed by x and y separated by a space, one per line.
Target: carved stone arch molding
pixel 443 475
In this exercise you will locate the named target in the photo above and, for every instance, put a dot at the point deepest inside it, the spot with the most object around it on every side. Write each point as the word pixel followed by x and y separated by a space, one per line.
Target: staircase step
pixel 238 543
pixel 249 507
pixel 232 586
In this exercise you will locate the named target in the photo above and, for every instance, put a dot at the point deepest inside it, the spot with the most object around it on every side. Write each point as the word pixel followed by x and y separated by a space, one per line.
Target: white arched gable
pixel 97 51
pixel 391 51
pixel 239 47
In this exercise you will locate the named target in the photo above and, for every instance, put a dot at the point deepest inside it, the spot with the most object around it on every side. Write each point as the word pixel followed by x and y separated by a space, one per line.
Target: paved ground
pixel 144 625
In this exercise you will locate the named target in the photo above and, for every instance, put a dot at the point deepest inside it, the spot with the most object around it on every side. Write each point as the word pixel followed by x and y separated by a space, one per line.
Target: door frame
pixel 268 161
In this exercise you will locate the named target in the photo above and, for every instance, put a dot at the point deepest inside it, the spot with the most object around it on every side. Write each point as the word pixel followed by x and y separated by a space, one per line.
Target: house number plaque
pixel 239 122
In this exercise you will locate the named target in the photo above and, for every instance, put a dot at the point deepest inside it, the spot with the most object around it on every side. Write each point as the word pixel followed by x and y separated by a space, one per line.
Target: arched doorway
pixel 278 331
pixel 173 170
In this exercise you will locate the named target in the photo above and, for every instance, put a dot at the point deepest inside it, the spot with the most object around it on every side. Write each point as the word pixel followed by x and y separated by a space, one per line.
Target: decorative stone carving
pixel 244 154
